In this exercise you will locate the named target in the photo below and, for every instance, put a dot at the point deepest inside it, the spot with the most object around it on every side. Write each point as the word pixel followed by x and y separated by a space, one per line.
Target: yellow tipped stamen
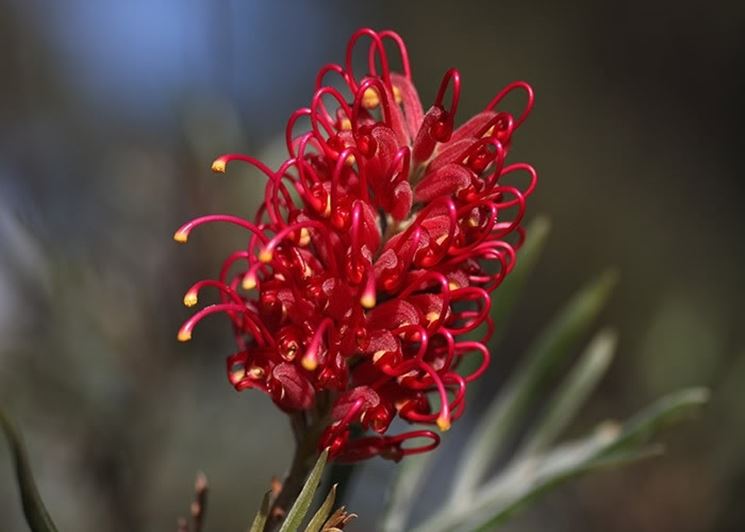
pixel 249 281
pixel 440 239
pixel 489 132
pixel 181 236
pixel 218 165
pixel 443 423
pixel 304 237
pixel 237 375
pixel 401 378
pixel 350 160
pixel 289 354
pixel 256 372
pixel 397 94
pixel 432 316
pixel 452 285
pixel 309 362
pixel 184 335
pixel 327 209
pixel 190 299
pixel 370 98
pixel 276 487
pixel 368 301
pixel 345 124
pixel 265 256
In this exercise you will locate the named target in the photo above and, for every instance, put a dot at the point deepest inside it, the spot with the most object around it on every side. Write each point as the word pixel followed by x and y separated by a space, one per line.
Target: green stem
pixel 306 454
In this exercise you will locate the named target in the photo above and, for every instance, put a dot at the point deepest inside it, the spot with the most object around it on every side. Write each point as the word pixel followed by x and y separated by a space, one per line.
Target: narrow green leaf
pixel 608 447
pixel 262 514
pixel 542 360
pixel 323 512
pixel 37 517
pixel 624 457
pixel 547 481
pixel 571 394
pixel 300 509
pixel 660 414
pixel 526 479
pixel 516 483
pixel 342 475
pixel 410 476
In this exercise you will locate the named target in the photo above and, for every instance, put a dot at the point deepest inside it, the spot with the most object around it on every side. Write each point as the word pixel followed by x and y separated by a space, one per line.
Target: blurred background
pixel 110 115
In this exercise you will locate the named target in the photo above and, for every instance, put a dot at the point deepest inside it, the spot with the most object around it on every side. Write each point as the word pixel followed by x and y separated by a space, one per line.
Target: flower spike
pixel 366 275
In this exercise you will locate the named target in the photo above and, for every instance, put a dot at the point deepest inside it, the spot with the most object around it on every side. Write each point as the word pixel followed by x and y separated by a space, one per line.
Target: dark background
pixel 110 114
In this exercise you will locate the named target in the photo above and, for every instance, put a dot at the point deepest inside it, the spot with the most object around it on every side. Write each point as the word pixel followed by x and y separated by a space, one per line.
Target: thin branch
pixel 197 508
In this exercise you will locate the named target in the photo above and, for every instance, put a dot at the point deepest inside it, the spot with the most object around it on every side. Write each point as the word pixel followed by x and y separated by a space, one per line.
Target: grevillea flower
pixel 367 273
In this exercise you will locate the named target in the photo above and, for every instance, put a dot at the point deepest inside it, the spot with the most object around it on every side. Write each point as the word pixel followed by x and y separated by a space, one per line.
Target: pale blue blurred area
pixel 134 60
pixel 110 114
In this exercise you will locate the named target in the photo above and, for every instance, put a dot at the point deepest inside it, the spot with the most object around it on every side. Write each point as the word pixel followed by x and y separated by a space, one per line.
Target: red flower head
pixel 367 274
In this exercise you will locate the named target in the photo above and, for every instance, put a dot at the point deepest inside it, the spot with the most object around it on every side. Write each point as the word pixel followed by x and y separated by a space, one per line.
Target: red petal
pixel 403 198
pixel 458 279
pixel 447 180
pixel 471 127
pixel 377 167
pixel 431 306
pixel 383 342
pixel 411 104
pixel 424 144
pixel 298 391
pixel 386 261
pixel 397 122
pixel 450 154
pixel 393 314
pixel 371 228
pixel 438 228
pixel 345 402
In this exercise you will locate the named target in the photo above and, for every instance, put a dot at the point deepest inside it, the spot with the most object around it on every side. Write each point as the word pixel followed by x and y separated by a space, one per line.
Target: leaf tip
pixel 540 225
